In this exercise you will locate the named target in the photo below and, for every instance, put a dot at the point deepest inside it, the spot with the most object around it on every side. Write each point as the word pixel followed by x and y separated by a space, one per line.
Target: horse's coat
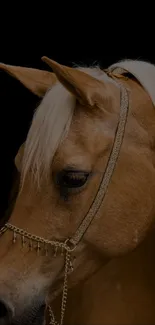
pixel 113 278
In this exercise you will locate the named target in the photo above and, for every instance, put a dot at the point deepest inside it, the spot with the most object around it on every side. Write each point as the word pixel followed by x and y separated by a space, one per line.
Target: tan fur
pixel 37 81
pixel 51 122
pixel 121 292
pixel 113 278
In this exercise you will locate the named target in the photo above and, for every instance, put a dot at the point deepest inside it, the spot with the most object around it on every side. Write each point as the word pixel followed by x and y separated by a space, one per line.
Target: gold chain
pixel 64 294
pixel 67 266
pixel 70 244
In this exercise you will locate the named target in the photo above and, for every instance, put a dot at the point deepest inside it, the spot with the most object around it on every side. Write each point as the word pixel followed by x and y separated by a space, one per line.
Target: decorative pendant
pixel 14 237
pixel 23 241
pixel 38 248
pixel 55 250
pixel 46 249
pixel 30 245
pixel 62 251
pixel 71 269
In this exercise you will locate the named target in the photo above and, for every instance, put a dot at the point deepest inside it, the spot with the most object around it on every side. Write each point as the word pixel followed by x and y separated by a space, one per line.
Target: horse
pixel 83 221
pixel 16 91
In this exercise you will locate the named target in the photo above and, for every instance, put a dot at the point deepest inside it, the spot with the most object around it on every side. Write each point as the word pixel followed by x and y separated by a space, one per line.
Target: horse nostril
pixel 5 313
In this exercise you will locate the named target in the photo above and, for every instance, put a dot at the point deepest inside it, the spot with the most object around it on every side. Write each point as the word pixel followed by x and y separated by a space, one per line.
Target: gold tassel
pixel 71 269
pixel 46 250
pixel 62 250
pixel 30 245
pixel 23 241
pixel 14 237
pixel 55 250
pixel 38 248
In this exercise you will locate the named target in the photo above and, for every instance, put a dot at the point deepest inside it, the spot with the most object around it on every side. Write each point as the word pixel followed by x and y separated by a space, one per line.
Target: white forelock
pixel 144 72
pixel 53 117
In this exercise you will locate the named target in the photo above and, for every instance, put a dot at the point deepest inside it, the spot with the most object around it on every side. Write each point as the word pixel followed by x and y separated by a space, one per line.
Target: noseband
pixel 70 244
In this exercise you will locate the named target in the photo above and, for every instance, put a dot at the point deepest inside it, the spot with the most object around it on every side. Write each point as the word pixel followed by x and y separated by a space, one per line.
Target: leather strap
pixel 120 130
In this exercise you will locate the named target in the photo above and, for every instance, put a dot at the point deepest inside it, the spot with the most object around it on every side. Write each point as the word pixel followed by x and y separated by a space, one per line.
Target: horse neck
pixel 141 106
pixel 130 276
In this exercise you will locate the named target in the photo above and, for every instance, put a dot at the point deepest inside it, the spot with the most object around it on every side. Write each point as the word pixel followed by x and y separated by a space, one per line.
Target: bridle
pixel 69 245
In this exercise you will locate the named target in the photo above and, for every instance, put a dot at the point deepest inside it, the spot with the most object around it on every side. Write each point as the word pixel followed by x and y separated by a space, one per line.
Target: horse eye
pixel 69 179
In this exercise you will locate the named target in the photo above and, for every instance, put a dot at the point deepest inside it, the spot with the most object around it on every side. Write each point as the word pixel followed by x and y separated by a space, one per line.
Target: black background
pixel 78 39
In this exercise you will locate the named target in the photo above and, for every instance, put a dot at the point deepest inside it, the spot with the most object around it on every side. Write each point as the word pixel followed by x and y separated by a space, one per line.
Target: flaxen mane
pixel 51 123
pixel 96 227
pixel 53 117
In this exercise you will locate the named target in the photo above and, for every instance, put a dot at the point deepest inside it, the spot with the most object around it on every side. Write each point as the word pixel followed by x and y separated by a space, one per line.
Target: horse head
pixel 87 182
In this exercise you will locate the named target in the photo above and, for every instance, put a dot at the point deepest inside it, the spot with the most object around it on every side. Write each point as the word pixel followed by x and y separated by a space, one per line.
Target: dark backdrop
pixel 25 48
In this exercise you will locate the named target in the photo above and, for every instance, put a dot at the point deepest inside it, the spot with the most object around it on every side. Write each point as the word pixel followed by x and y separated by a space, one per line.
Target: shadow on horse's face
pixel 62 166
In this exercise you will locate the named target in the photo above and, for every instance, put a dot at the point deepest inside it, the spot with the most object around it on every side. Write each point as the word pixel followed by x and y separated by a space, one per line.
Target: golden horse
pixel 81 234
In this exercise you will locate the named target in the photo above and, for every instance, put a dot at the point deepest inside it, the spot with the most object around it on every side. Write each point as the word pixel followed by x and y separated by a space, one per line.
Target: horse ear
pixel 37 81
pixel 87 89
pixel 19 157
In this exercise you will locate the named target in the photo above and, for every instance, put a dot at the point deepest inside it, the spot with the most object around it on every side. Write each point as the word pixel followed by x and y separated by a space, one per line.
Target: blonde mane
pixel 51 123
pixel 53 117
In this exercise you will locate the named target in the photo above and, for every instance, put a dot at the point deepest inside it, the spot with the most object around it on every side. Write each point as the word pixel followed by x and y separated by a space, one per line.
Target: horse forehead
pixel 77 147
pixel 77 144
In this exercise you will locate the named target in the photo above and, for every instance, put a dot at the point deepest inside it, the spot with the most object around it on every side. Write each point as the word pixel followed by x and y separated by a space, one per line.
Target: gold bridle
pixel 70 244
